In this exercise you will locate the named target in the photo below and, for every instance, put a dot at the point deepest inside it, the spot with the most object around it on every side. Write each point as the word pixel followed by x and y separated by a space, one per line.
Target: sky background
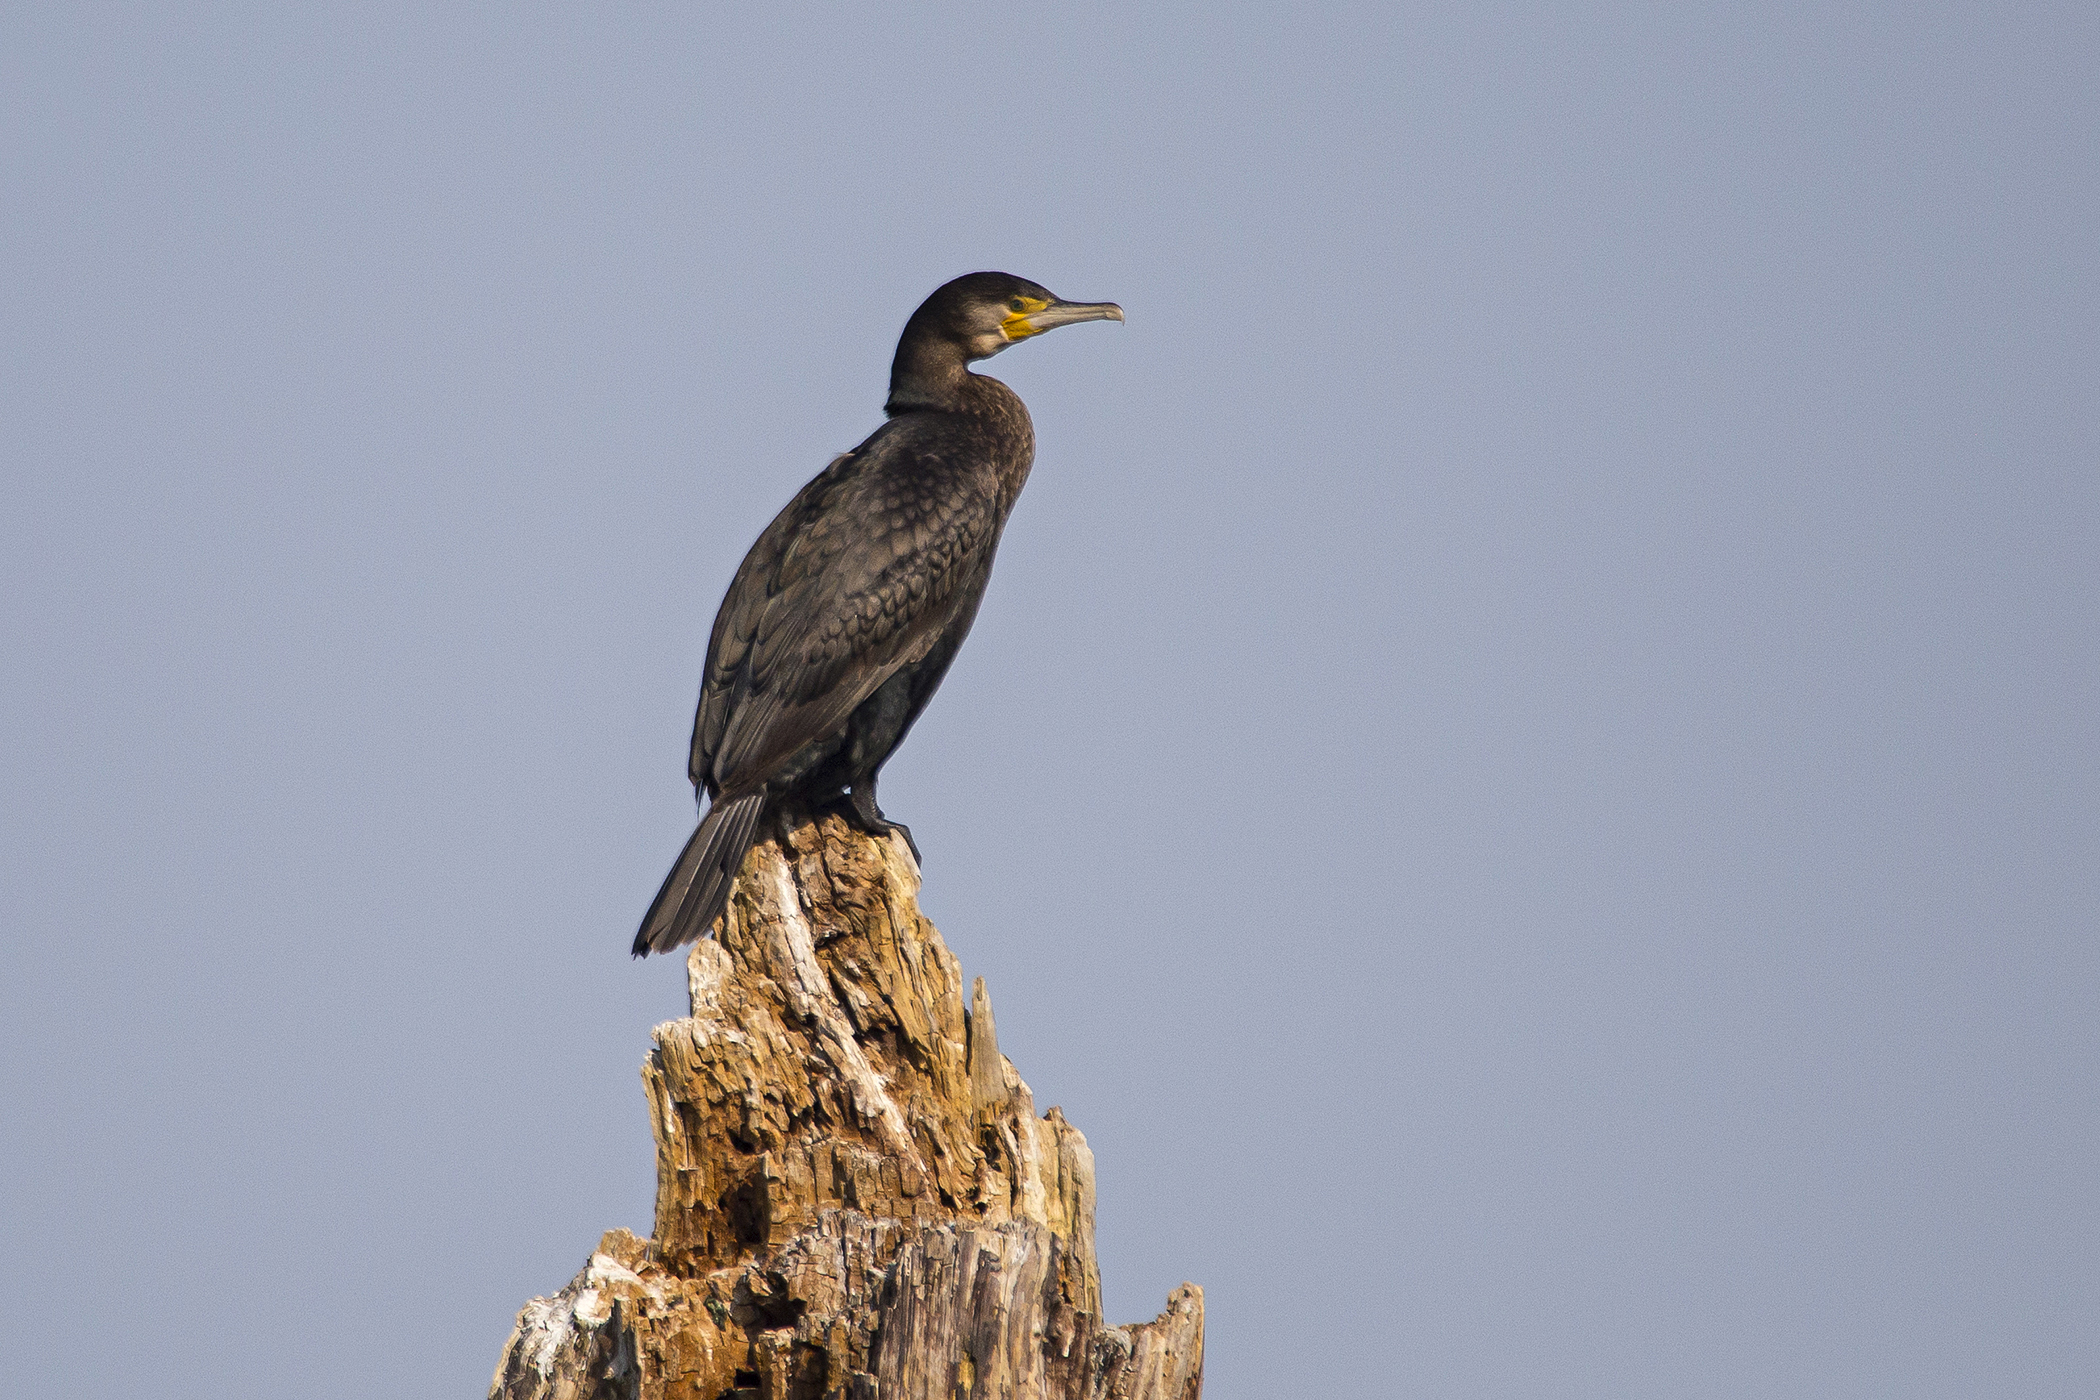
pixel 1528 774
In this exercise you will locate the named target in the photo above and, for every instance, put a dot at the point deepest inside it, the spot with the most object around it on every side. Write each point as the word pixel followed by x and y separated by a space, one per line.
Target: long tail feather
pixel 697 890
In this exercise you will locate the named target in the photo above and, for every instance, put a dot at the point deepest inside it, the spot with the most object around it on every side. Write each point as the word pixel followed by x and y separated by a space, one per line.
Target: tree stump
pixel 854 1195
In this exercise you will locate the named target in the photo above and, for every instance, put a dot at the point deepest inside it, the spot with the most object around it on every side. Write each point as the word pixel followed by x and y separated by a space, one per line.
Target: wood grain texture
pixel 855 1195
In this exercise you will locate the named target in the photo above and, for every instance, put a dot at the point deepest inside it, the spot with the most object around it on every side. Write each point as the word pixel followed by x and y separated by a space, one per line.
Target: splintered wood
pixel 854 1195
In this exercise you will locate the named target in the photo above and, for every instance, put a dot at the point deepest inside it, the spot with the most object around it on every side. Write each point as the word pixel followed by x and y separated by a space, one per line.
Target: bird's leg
pixel 868 817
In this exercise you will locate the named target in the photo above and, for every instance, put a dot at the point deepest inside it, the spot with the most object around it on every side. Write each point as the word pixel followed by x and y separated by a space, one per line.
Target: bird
pixel 845 615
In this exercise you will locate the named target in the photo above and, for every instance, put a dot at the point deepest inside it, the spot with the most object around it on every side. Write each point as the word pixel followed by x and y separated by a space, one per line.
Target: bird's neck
pixel 929 372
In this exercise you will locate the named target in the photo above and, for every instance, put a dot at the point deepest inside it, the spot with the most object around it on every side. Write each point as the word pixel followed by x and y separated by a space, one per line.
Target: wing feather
pixel 859 576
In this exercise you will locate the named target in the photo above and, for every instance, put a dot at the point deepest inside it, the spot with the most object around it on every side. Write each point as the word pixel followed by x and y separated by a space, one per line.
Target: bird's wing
pixel 730 646
pixel 858 576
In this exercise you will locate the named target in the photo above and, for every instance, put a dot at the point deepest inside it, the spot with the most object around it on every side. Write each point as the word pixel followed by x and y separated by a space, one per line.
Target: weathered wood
pixel 855 1197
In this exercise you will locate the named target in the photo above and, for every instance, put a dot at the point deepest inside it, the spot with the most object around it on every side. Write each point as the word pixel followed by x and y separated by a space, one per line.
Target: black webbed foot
pixel 860 809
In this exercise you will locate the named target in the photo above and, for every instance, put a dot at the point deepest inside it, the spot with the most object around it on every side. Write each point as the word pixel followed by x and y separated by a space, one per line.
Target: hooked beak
pixel 1023 324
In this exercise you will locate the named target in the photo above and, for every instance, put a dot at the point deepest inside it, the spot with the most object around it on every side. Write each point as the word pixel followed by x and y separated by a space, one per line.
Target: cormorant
pixel 844 616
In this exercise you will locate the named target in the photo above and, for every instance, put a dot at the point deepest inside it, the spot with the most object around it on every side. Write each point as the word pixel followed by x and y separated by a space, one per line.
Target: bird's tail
pixel 697 890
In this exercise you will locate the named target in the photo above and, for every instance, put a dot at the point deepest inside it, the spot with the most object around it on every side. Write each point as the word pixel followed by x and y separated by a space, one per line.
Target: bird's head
pixel 973 318
pixel 984 312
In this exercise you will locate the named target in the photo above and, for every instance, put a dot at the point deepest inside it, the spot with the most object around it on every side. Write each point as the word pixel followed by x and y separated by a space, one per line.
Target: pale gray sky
pixel 1528 775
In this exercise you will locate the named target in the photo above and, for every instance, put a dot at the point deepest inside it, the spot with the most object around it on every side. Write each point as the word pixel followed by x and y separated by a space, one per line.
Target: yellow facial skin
pixel 1016 325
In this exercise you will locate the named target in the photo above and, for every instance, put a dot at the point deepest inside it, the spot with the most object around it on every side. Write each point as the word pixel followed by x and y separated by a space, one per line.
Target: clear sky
pixel 1528 775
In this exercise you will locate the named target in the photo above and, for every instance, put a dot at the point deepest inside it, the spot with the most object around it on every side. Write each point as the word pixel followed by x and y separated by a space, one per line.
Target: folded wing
pixel 859 575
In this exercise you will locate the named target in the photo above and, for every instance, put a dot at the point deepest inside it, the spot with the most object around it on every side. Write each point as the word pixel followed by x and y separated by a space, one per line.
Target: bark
pixel 854 1195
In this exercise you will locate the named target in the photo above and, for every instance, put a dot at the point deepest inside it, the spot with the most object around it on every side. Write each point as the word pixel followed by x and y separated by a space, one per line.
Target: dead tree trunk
pixel 854 1195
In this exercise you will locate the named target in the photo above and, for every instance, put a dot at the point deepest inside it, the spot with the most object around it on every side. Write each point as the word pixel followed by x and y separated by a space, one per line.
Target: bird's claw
pixel 860 809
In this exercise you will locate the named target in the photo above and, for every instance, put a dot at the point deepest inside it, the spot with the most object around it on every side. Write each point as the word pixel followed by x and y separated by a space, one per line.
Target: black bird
pixel 844 616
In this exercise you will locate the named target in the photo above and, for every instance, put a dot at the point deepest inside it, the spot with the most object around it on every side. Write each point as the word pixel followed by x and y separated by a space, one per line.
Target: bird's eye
pixel 1017 304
